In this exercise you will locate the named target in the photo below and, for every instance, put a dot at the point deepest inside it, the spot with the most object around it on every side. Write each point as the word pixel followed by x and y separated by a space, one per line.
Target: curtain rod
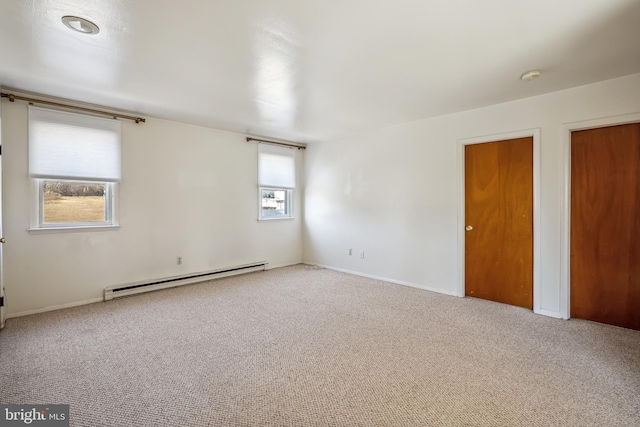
pixel 285 144
pixel 13 97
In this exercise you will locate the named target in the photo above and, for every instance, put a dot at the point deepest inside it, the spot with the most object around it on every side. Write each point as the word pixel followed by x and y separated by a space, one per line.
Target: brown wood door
pixel 605 225
pixel 499 210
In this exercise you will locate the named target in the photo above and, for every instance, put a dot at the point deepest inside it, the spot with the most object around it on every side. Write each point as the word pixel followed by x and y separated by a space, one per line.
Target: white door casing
pixel 565 252
pixel 535 133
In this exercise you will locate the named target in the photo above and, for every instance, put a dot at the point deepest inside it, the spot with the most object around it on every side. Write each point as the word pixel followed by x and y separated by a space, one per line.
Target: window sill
pixel 53 230
pixel 276 219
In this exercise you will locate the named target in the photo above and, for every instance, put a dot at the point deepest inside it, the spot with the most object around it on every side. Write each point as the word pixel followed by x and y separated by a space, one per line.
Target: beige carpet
pixel 300 346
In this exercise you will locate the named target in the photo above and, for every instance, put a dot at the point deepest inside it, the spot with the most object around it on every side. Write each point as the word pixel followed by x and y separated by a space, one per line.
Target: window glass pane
pixel 68 202
pixel 275 203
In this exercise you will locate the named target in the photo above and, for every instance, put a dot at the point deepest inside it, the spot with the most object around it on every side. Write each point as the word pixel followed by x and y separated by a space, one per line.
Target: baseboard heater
pixel 111 292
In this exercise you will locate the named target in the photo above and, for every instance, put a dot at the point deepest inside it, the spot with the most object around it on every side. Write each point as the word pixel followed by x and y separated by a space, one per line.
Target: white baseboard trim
pixel 271 266
pixel 550 313
pixel 53 307
pixel 385 279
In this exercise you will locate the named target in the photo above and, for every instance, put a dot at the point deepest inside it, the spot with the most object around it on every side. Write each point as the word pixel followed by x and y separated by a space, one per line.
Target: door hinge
pixel 1 301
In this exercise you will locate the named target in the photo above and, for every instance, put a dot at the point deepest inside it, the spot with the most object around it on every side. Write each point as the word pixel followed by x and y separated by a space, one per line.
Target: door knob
pixel 468 228
pixel 3 240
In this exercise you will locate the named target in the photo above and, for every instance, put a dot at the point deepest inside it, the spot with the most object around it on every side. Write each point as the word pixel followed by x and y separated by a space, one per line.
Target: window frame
pixel 37 215
pixel 69 147
pixel 288 204
pixel 277 171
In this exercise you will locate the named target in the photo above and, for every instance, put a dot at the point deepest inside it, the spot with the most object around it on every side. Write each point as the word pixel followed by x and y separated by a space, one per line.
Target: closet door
pixel 499 221
pixel 605 225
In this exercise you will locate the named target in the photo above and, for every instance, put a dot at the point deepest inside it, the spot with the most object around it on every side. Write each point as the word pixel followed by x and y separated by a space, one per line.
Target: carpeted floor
pixel 300 346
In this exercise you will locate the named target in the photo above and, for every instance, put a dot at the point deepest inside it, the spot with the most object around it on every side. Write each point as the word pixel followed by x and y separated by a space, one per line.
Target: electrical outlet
pixel 350 251
pixel 361 254
pixel 179 260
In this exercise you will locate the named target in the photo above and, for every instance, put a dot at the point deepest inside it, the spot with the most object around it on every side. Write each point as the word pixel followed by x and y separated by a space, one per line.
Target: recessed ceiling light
pixel 80 25
pixel 530 75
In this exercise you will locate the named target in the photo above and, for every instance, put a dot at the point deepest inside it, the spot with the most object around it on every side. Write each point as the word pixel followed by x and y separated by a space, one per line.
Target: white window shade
pixel 73 146
pixel 276 166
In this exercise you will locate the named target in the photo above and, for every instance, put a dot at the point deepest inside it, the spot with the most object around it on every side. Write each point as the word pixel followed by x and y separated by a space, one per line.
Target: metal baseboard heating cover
pixel 111 292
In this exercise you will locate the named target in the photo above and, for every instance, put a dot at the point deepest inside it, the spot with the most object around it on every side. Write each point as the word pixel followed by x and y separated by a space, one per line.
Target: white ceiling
pixel 313 70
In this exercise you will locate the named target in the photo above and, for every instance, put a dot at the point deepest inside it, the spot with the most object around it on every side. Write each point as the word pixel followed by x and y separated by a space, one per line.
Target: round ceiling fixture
pixel 80 25
pixel 530 75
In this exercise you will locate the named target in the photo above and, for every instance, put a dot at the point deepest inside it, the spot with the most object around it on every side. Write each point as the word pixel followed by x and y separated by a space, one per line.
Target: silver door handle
pixel 468 228
pixel 3 240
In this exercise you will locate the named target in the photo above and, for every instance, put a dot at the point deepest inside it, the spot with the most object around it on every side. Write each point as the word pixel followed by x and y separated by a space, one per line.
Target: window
pixel 74 163
pixel 65 203
pixel 275 203
pixel 276 181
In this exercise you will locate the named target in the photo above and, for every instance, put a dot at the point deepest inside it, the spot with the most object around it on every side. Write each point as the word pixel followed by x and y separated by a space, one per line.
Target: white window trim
pixel 276 218
pixel 36 219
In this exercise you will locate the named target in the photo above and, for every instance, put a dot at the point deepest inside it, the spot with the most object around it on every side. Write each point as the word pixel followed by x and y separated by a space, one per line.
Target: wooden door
pixel 499 219
pixel 605 225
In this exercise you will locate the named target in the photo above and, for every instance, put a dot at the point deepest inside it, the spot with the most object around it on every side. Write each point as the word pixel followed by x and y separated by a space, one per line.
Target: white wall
pixel 2 309
pixel 393 193
pixel 187 191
